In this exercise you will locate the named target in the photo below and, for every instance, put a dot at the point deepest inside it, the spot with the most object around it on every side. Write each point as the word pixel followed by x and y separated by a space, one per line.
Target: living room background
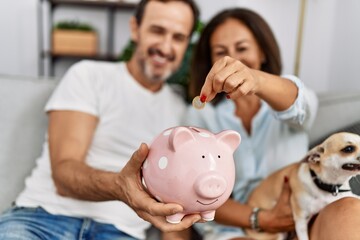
pixel 328 57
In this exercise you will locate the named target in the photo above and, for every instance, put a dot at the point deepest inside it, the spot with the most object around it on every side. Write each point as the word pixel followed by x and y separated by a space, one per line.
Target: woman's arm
pixel 236 79
pixel 278 219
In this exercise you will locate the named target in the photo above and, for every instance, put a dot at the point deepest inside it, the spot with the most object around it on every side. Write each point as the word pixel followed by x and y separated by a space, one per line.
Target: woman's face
pixel 232 38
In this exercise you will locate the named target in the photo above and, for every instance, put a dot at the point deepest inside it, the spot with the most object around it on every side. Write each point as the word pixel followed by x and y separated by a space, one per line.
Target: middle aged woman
pixel 237 67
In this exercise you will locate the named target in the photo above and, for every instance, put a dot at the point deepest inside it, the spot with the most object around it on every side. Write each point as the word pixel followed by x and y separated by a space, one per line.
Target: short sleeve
pixel 76 91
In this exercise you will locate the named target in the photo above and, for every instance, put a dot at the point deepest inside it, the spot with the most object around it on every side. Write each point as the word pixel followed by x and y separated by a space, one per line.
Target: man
pixel 87 182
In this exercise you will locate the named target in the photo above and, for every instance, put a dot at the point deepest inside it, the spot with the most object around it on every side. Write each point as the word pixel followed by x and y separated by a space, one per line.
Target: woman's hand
pixel 231 76
pixel 280 218
pixel 236 79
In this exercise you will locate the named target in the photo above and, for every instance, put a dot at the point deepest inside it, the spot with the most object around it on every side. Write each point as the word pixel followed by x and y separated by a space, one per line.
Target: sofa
pixel 23 125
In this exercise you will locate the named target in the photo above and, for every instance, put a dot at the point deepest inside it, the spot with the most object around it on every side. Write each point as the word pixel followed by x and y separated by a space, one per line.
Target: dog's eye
pixel 348 149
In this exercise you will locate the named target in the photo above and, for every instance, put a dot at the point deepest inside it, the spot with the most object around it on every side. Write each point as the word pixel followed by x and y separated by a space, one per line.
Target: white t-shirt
pixel 128 115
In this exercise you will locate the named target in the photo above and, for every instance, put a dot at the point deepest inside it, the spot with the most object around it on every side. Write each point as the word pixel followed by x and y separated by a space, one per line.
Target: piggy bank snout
pixel 210 185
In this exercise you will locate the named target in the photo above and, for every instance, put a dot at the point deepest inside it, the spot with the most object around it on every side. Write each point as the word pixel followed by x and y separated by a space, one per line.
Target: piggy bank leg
pixel 176 218
pixel 208 216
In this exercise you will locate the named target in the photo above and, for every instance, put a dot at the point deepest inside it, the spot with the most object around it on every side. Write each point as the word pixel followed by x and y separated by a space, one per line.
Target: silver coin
pixel 197 103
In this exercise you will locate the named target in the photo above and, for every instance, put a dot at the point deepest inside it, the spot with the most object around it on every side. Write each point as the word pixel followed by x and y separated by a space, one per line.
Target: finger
pixel 235 75
pixel 162 209
pixel 188 221
pixel 138 157
pixel 221 79
pixel 185 223
pixel 208 87
pixel 233 82
pixel 243 89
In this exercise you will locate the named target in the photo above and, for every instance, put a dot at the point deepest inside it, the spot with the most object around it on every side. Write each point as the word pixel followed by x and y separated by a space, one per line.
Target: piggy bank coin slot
pixel 194 129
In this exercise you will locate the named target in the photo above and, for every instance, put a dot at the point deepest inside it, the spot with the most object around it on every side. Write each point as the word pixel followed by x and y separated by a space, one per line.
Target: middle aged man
pixel 87 183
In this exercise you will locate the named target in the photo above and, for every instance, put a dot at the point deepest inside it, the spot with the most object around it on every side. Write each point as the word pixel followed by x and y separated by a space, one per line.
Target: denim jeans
pixel 35 223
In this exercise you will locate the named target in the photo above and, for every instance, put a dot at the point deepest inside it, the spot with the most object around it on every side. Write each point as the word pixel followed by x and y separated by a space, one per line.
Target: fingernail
pixel 286 179
pixel 203 98
pixel 227 96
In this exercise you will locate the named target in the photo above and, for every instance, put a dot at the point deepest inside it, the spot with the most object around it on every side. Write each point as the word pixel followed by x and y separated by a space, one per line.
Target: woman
pixel 236 69
pixel 236 66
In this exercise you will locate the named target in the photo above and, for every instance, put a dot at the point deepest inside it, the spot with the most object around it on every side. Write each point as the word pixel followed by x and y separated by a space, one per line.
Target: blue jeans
pixel 35 223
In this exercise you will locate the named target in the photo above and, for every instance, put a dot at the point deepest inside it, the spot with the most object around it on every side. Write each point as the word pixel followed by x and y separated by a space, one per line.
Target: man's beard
pixel 148 71
pixel 155 78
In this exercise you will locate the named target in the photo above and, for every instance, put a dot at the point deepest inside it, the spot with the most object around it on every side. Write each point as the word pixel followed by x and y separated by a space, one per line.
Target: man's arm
pixel 70 136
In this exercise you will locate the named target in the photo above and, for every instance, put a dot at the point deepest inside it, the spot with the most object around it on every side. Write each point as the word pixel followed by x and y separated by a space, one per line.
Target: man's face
pixel 162 38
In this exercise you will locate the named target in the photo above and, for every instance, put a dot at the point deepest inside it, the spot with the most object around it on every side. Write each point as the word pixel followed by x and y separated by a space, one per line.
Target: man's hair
pixel 139 12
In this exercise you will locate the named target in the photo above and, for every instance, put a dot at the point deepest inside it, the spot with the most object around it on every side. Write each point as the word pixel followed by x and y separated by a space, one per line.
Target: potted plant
pixel 74 38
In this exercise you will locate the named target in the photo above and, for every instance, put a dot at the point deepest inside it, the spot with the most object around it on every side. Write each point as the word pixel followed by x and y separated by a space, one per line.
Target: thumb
pixel 139 156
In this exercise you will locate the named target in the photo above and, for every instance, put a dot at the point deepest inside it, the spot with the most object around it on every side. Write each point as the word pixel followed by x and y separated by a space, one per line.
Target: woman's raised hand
pixel 230 76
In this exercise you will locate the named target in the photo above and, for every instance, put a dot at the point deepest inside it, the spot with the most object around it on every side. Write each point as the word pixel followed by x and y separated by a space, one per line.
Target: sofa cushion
pixel 353 128
pixel 336 111
pixel 22 130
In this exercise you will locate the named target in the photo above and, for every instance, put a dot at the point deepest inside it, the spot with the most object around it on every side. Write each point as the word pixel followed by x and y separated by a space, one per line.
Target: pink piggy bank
pixel 192 167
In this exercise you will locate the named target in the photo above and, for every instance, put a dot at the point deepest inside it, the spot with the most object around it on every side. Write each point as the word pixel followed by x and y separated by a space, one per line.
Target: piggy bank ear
pixel 179 136
pixel 230 138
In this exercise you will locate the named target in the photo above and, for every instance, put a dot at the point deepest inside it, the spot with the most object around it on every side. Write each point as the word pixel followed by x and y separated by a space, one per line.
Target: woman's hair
pixel 202 63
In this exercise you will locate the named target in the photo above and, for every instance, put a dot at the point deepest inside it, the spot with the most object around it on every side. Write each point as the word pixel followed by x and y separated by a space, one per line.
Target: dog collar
pixel 334 189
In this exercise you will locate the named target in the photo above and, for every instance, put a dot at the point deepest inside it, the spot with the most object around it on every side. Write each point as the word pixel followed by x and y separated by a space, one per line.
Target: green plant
pixel 74 25
pixel 127 51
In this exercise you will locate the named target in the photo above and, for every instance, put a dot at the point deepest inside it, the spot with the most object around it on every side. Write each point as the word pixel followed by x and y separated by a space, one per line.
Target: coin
pixel 196 102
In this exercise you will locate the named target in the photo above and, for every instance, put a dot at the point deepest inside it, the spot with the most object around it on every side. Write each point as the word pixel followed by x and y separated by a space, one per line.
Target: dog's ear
pixel 314 155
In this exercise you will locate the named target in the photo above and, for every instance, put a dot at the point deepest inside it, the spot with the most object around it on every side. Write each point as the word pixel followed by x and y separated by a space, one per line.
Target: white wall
pixel 282 16
pixel 19 39
pixel 318 43
pixel 331 45
pixel 329 52
pixel 274 12
pixel 344 68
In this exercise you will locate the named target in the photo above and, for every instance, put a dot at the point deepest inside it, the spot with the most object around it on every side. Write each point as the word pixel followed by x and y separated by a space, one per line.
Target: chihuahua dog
pixel 320 178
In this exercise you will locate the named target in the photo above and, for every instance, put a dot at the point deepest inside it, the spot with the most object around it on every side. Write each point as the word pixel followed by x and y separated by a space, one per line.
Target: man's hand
pixel 134 195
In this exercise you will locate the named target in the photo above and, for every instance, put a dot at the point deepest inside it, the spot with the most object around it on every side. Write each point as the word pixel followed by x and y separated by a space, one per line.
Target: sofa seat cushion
pixel 22 130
